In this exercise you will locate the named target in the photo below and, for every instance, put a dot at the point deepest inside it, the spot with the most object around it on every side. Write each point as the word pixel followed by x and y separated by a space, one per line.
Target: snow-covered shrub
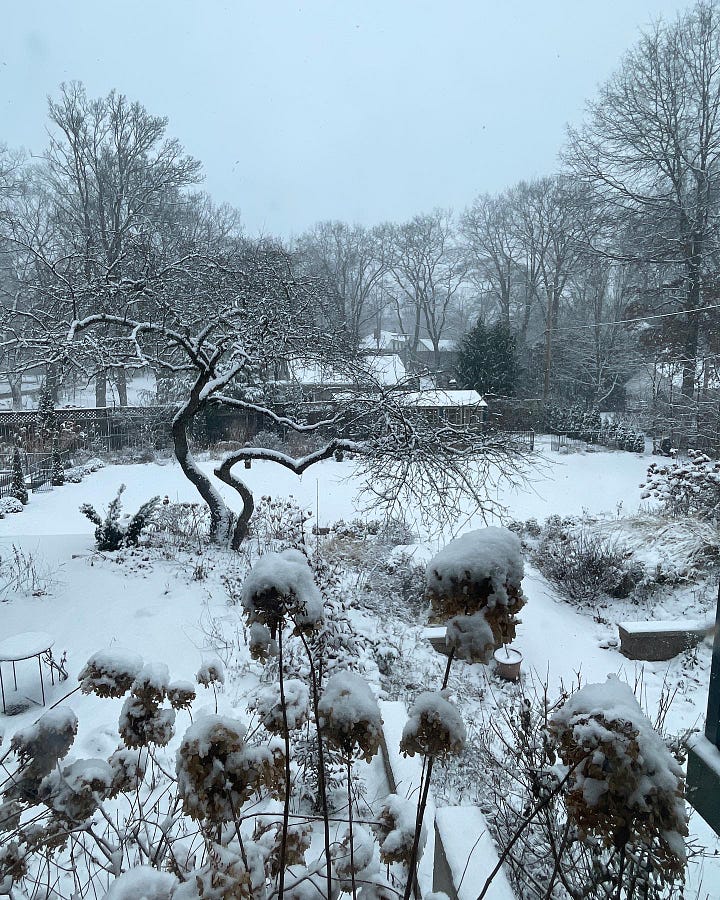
pixel 691 487
pixel 9 505
pixel 480 571
pixel 75 792
pixel 297 843
pixel 127 768
pixel 624 785
pixel 434 727
pixel 38 749
pixel 184 523
pixel 280 588
pixel 584 564
pixel 112 533
pixel 212 671
pixel 217 771
pixel 57 470
pixel 360 864
pixel 18 488
pixel 142 883
pixel 349 715
pixel 279 520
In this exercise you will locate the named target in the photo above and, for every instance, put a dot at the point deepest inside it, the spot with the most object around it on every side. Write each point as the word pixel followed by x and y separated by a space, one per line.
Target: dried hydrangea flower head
pixel 361 863
pixel 349 715
pixel 395 830
pixel 280 587
pixel 270 708
pixel 470 638
pixel 269 837
pixel 181 694
pixel 39 746
pixel 480 571
pixel 143 720
pixel 110 673
pixel 217 771
pixel 212 671
pixel 261 643
pixel 76 793
pixel 434 727
pixel 13 866
pixel 128 770
pixel 625 783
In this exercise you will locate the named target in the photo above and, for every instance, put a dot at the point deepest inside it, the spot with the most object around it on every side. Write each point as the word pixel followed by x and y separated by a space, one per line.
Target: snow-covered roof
pixel 444 346
pixel 386 370
pixel 383 340
pixel 438 399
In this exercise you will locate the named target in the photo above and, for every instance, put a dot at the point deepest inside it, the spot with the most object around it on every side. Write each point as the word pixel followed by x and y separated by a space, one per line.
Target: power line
pixel 681 312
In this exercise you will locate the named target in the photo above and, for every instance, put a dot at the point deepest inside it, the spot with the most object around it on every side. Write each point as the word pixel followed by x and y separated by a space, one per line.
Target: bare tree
pixel 650 148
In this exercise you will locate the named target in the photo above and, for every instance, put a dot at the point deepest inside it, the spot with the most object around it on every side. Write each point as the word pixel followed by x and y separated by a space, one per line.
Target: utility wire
pixel 680 312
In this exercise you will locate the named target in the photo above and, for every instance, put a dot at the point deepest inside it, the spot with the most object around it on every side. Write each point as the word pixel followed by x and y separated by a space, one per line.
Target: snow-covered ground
pixel 161 609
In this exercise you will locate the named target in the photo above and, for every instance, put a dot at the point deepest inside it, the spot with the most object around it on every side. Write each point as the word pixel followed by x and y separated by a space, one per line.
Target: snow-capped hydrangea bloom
pixel 270 709
pixel 269 837
pixel 481 570
pixel 13 865
pixel 128 770
pixel 110 673
pixel 261 643
pixel 39 746
pixel 361 864
pixel 142 719
pixel 225 875
pixel 217 771
pixel 395 830
pixel 434 727
pixel 181 694
pixel 624 783
pixel 280 586
pixel 212 671
pixel 10 813
pixel 76 792
pixel 349 715
pixel 470 638
pixel 142 883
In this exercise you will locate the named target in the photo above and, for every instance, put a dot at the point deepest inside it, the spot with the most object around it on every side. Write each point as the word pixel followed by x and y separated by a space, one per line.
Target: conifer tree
pixel 46 419
pixel 57 473
pixel 487 360
pixel 18 487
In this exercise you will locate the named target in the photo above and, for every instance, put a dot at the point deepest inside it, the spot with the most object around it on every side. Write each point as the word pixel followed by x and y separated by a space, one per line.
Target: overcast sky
pixel 362 110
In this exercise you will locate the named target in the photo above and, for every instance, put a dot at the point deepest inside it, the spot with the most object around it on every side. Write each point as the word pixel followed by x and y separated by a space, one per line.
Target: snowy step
pixel 465 856
pixel 659 639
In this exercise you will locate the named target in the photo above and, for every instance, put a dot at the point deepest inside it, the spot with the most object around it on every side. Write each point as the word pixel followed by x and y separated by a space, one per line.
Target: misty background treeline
pixel 597 285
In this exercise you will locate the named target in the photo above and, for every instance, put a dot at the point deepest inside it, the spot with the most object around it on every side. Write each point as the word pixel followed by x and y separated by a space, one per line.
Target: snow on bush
pixel 181 694
pixel 112 533
pixel 481 570
pixel 624 782
pixel 270 708
pixel 217 772
pixel 268 836
pixel 142 883
pixel 396 829
pixel 127 768
pixel 691 487
pixel 77 791
pixel 470 637
pixel 110 673
pixel 41 745
pixel 434 727
pixel 280 586
pixel 349 715
pixel 10 505
pixel 142 719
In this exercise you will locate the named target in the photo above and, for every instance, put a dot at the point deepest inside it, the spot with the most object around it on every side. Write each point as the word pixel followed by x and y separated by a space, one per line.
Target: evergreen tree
pixel 18 488
pixel 46 420
pixel 487 360
pixel 57 473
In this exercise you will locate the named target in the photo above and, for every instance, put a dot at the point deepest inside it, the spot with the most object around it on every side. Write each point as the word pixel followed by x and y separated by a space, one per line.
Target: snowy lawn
pixel 163 607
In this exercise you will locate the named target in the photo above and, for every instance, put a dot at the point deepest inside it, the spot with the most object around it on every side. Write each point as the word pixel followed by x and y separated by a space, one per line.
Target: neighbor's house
pixel 456 407
pixel 422 357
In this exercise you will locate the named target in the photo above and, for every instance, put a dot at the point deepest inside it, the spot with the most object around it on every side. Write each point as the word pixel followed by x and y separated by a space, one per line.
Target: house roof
pixel 442 399
pixel 386 370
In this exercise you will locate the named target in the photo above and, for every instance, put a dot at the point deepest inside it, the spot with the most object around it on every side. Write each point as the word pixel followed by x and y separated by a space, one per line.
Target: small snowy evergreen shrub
pixel 57 470
pixel 9 505
pixel 112 533
pixel 625 785
pixel 689 488
pixel 481 571
pixel 18 489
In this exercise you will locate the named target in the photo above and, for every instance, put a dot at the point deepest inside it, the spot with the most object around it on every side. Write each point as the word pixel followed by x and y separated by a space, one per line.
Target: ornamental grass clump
pixel 625 787
pixel 349 716
pixel 479 572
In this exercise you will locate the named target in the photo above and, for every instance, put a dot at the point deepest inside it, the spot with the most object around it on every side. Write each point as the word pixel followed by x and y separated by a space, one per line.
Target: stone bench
pixel 657 640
